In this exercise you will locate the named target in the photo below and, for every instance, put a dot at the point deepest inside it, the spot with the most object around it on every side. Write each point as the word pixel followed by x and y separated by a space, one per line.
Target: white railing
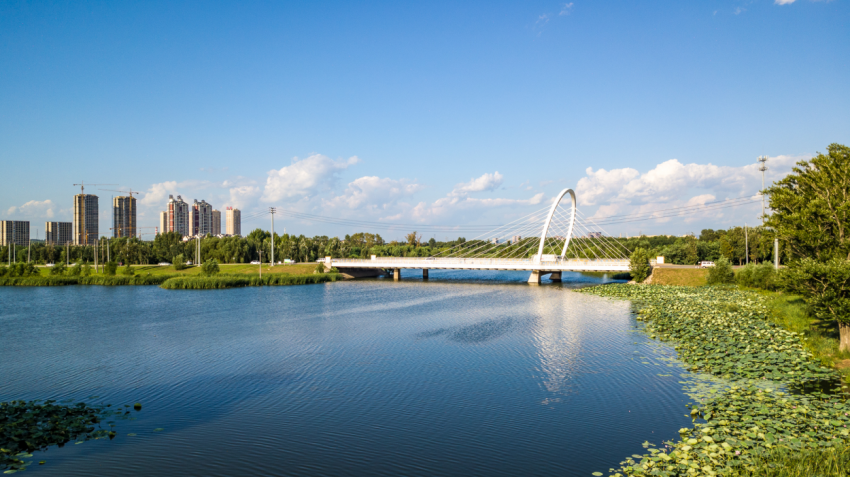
pixel 517 263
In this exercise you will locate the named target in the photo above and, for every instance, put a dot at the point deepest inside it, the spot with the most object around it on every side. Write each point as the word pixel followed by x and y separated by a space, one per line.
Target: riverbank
pixel 174 281
pixel 730 334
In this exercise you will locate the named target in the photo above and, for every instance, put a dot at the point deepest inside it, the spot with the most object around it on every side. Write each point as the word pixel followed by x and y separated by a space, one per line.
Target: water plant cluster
pixel 232 281
pixel 29 426
pixel 725 332
pixel 106 280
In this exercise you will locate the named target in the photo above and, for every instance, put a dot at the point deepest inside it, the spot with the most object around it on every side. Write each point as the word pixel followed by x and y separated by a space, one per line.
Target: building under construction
pixel 85 219
pixel 124 216
pixel 58 233
pixel 14 232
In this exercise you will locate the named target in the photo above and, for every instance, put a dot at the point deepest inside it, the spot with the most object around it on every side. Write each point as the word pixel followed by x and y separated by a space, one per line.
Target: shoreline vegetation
pixel 177 282
pixel 768 414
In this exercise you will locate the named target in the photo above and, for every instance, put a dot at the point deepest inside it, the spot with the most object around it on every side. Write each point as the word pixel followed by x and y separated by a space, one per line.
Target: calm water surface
pixel 467 374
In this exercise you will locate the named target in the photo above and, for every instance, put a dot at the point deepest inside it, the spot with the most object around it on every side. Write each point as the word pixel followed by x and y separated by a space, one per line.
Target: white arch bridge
pixel 549 241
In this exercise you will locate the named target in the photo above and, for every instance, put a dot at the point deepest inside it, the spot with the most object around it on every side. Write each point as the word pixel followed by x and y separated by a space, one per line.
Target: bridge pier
pixel 534 279
pixel 424 273
pixel 396 274
pixel 555 276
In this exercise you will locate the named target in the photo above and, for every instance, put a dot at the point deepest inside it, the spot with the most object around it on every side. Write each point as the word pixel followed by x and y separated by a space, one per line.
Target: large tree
pixel 811 217
pixel 811 207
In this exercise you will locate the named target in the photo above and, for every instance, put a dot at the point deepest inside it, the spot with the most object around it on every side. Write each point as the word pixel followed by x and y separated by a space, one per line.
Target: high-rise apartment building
pixel 85 219
pixel 14 232
pixel 124 216
pixel 178 216
pixel 234 221
pixel 163 222
pixel 200 218
pixel 58 233
pixel 216 222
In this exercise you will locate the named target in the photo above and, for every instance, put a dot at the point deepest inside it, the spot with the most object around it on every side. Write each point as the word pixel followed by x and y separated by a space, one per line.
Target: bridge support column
pixel 555 276
pixel 396 274
pixel 534 278
pixel 424 273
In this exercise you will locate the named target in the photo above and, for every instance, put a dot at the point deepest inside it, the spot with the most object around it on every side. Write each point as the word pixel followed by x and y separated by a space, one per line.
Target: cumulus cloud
pixel 373 192
pixel 243 196
pixel 672 179
pixel 624 193
pixel 33 208
pixel 486 182
pixel 451 205
pixel 304 177
pixel 784 2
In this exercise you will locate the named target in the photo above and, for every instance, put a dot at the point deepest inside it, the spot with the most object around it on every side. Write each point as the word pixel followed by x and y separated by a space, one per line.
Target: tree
pixel 811 206
pixel 811 218
pixel 827 288
pixel 210 267
pixel 721 273
pixel 413 239
pixel 110 268
pixel 639 264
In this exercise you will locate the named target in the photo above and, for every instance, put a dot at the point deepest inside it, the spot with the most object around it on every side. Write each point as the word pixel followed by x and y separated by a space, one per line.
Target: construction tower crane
pixel 83 186
pixel 129 192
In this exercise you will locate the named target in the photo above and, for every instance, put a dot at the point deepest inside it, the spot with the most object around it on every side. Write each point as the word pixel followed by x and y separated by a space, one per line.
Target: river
pixel 469 373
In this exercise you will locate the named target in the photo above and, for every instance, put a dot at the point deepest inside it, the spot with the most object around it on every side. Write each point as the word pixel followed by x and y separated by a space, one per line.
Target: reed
pixel 116 280
pixel 233 281
pixel 783 462
pixel 38 281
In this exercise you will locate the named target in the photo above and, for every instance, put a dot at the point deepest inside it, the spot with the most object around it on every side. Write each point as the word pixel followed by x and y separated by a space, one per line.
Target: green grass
pixel 786 463
pixel 232 281
pixel 118 280
pixel 819 337
pixel 692 277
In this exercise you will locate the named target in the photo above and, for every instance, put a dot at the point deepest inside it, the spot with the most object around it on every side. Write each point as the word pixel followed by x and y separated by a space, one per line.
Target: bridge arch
pixel 564 192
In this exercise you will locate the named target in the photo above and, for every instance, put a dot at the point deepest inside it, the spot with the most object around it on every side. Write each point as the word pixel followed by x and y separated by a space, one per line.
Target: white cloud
pixel 568 7
pixel 486 182
pixel 452 205
pixel 373 192
pixel 672 179
pixel 157 194
pixel 784 2
pixel 33 208
pixel 243 196
pixel 304 178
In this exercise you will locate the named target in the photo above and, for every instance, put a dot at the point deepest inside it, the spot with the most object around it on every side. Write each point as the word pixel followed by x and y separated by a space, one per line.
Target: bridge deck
pixel 570 265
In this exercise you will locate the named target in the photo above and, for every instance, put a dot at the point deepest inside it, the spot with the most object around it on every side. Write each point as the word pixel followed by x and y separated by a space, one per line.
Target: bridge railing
pixel 475 261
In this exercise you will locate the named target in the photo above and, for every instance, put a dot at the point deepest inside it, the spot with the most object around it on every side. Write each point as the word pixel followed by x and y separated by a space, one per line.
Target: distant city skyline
pixel 416 114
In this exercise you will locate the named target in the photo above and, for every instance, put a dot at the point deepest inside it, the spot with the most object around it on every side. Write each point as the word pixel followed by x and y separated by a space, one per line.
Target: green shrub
pixel 128 271
pixel 210 268
pixel 721 273
pixel 58 269
pixel 757 276
pixel 4 271
pixel 86 270
pixel 110 268
pixel 639 264
pixel 180 262
pixel 320 268
pixel 76 270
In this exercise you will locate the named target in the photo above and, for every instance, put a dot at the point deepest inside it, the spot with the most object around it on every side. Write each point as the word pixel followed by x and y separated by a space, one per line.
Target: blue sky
pixel 417 112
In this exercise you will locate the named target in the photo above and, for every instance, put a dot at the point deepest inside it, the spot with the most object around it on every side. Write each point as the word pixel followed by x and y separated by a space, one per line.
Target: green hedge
pixel 231 281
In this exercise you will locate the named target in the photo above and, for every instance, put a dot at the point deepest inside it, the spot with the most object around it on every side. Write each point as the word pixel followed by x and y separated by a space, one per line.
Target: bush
pixel 128 271
pixel 639 264
pixel 179 262
pixel 110 268
pixel 76 270
pixel 21 270
pixel 757 276
pixel 721 273
pixel 58 269
pixel 210 268
pixel 38 281
pixel 86 270
pixel 320 268
pixel 4 271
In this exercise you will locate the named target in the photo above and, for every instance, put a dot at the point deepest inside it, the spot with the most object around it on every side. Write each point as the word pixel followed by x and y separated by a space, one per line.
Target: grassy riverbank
pixel 226 268
pixel 232 281
pixel 732 334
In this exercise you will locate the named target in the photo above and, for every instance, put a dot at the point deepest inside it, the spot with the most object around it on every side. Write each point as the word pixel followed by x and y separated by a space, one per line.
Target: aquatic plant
pixel 29 426
pixel 232 281
pixel 725 332
pixel 49 281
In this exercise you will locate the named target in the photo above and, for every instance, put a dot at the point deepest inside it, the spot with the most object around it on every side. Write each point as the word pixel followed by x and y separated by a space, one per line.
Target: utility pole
pixel 261 264
pixel 272 210
pixel 746 244
pixel 762 168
